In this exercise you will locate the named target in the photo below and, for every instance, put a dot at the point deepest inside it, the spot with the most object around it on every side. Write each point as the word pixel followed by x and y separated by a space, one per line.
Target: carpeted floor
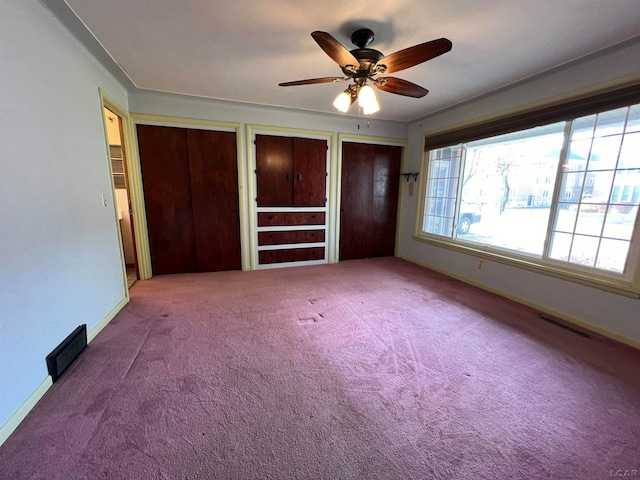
pixel 368 369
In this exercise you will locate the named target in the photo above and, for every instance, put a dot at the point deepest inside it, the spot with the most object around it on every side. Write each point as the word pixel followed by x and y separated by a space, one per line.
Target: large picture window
pixel 563 195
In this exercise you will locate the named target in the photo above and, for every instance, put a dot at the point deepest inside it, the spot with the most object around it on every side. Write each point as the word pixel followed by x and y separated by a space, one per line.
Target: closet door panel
pixel 214 186
pixel 309 172
pixel 274 164
pixel 355 201
pixel 369 200
pixel 386 174
pixel 167 192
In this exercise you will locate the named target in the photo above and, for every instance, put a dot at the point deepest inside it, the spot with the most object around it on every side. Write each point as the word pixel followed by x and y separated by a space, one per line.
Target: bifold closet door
pixel 214 195
pixel 368 200
pixel 386 187
pixel 355 201
pixel 190 180
pixel 167 193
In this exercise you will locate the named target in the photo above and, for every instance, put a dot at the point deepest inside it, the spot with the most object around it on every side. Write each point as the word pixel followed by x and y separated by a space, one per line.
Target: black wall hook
pixel 410 175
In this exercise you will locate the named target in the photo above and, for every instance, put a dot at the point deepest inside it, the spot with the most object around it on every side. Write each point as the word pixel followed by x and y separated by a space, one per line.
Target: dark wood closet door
pixel 274 166
pixel 369 200
pixel 214 191
pixel 167 192
pixel 386 185
pixel 356 201
pixel 310 172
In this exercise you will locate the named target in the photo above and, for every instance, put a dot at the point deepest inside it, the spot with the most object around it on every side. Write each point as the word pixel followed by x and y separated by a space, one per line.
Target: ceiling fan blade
pixel 414 55
pixel 400 87
pixel 335 49
pixel 311 81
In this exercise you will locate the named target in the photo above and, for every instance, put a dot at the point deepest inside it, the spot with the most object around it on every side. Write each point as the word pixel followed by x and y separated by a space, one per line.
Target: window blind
pixel 564 110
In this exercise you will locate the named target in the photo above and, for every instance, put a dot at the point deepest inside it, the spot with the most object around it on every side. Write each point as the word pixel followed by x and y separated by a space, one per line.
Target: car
pixel 601 205
pixel 470 213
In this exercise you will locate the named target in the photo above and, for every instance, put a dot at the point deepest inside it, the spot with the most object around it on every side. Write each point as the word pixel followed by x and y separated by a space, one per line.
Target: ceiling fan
pixel 363 65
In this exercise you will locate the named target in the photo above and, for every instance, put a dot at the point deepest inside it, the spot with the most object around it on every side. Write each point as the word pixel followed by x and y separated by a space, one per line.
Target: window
pixel 485 195
pixel 442 178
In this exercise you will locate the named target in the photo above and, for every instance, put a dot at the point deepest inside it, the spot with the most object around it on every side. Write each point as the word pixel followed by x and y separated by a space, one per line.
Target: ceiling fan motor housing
pixel 362 38
pixel 368 57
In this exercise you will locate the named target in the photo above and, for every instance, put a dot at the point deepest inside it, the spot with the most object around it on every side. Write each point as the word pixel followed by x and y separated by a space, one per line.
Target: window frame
pixel 627 284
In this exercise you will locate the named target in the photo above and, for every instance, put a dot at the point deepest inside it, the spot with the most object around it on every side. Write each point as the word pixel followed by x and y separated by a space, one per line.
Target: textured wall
pixel 59 247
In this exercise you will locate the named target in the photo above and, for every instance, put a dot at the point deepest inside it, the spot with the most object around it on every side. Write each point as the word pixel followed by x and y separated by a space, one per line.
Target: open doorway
pixel 117 157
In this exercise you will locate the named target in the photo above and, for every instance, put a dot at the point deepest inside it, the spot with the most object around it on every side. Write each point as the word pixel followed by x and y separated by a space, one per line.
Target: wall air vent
pixel 65 353
pixel 562 325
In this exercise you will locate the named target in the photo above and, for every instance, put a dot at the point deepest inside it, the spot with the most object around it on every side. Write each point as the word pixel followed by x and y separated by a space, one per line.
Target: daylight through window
pixel 564 194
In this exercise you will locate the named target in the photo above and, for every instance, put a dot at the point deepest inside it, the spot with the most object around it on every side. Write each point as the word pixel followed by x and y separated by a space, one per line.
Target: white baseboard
pixel 14 420
pixel 105 321
pixel 542 308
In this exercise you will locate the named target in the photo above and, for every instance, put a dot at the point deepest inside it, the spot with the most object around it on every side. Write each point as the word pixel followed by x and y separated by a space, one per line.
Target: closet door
pixel 167 191
pixel 369 200
pixel 291 172
pixel 309 172
pixel 386 186
pixel 274 167
pixel 214 190
pixel 190 182
pixel 355 201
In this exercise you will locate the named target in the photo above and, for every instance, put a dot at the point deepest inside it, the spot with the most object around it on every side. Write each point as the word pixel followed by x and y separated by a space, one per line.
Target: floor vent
pixel 65 353
pixel 562 325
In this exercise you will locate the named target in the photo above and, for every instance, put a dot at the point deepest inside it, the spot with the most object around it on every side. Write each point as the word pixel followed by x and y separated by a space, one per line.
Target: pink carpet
pixel 368 369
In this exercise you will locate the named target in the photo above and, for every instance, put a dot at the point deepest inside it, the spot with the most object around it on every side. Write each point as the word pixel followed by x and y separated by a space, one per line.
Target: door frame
pixel 329 208
pixel 354 138
pixel 134 187
pixel 194 123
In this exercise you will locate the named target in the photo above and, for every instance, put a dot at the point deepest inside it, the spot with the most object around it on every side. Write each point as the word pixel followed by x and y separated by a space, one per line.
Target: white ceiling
pixel 240 50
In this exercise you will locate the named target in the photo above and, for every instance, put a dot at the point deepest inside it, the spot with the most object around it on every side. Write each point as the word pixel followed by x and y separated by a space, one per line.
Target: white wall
pixel 610 312
pixel 59 251
pixel 155 103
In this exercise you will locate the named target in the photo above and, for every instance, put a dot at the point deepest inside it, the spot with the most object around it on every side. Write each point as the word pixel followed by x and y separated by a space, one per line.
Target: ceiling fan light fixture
pixel 367 100
pixel 343 101
pixel 363 64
